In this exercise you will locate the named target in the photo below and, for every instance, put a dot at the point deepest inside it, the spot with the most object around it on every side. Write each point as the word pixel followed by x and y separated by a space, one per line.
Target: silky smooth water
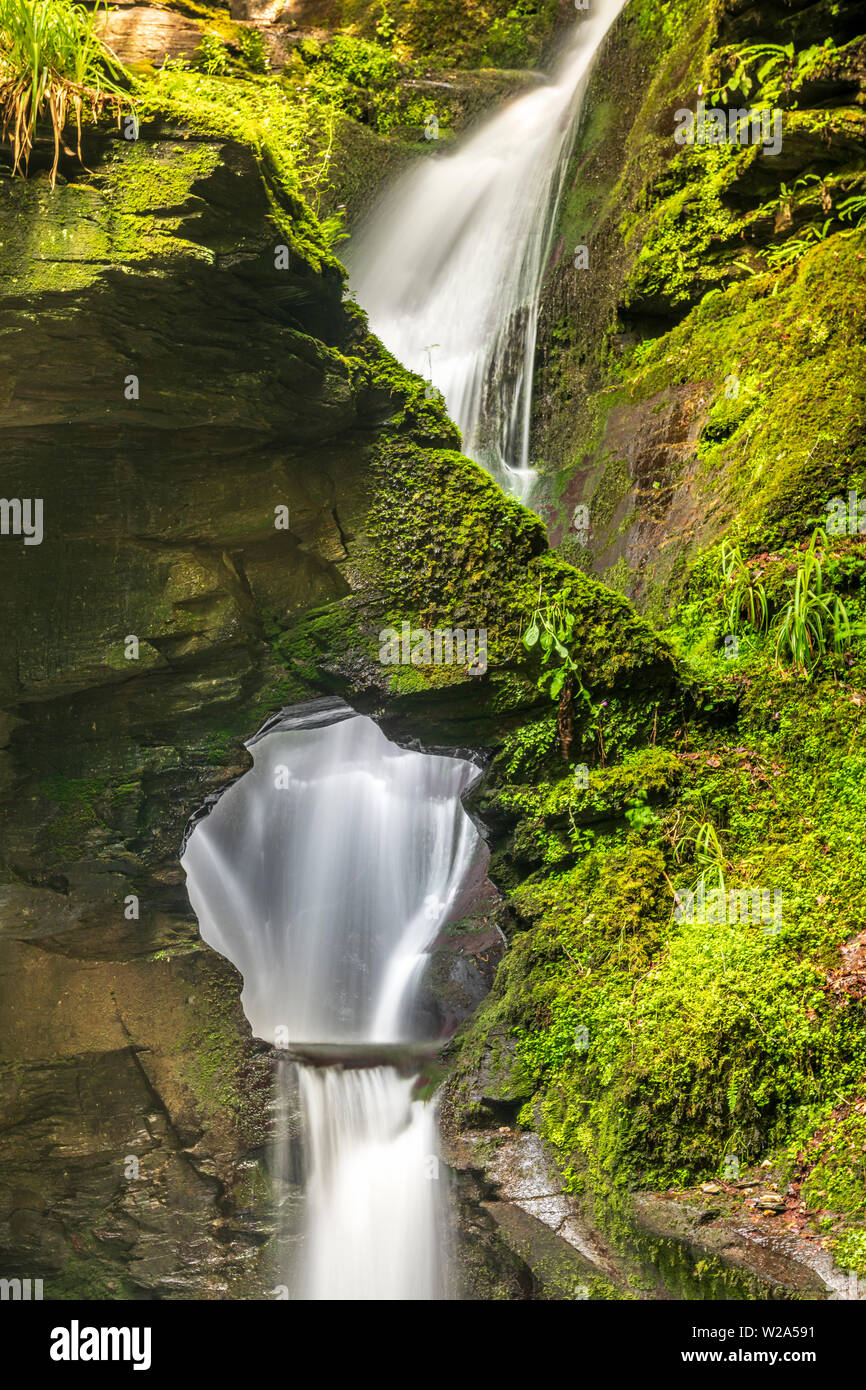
pixel 450 264
pixel 323 874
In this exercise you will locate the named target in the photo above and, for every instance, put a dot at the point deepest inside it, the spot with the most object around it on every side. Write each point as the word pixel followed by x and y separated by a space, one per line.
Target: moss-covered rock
pixel 752 257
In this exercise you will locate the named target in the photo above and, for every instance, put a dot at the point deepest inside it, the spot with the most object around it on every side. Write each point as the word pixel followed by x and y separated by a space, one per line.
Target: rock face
pixel 193 416
pixel 514 1199
pixel 148 33
pixel 185 415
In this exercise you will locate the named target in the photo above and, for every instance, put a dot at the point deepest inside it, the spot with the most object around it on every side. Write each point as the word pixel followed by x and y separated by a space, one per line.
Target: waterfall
pixel 450 264
pixel 324 873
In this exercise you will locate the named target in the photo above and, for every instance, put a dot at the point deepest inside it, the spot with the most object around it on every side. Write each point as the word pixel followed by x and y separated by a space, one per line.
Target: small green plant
pixel 853 209
pixel 812 621
pixel 358 77
pixel 787 193
pixel 744 593
pixel 212 56
pixel 53 61
pixel 333 228
pixel 640 814
pixel 790 251
pixel 697 834
pixel 780 69
pixel 253 51
pixel 551 627
pixel 775 56
pixel 386 29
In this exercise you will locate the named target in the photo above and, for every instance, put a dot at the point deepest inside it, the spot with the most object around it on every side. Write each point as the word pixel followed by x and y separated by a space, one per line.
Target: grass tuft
pixel 52 61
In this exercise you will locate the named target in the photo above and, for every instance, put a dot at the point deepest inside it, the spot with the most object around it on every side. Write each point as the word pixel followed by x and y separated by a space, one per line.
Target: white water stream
pixel 323 874
pixel 450 264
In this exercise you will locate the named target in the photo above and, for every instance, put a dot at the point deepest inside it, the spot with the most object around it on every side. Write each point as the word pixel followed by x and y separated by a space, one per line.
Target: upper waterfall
pixel 450 264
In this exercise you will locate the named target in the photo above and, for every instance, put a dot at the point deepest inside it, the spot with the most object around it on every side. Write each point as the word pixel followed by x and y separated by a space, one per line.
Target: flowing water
pixel 327 870
pixel 449 266
pixel 323 874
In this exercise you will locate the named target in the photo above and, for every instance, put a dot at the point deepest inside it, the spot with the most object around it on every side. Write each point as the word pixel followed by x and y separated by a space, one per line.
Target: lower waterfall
pixel 324 874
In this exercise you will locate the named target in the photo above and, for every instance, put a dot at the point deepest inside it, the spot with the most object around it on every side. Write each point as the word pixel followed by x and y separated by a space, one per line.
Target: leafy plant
pixel 551 627
pixel 386 28
pixel 775 56
pixel 701 836
pixel 212 56
pixel 812 621
pixel 253 51
pixel 52 59
pixel 853 209
pixel 780 69
pixel 745 593
pixel 640 814
pixel 780 257
pixel 358 77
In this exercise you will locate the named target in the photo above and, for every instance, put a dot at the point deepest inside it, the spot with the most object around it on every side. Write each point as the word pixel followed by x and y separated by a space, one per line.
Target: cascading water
pixel 323 874
pixel 326 871
pixel 449 266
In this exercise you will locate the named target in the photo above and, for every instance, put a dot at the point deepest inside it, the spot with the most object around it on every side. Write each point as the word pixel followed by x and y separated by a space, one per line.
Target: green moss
pixel 90 1274
pixel 709 300
pixel 793 355
pixel 680 223
pixel 215 1048
pixel 849 1252
pixel 283 134
pixel 310 646
pixel 656 1048
pixel 82 805
pixel 836 1181
pixel 461 33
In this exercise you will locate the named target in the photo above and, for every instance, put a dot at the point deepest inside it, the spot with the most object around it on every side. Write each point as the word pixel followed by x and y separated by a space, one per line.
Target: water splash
pixel 376 1227
pixel 449 267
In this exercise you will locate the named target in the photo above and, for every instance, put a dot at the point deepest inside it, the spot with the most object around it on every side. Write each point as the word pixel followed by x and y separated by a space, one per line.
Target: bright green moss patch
pixel 837 1152
pixel 657 1048
pixel 849 1252
pixel 284 135
pixel 782 368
